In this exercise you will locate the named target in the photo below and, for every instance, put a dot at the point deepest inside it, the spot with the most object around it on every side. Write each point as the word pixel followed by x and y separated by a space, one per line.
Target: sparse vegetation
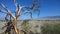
pixel 25 25
pixel 50 28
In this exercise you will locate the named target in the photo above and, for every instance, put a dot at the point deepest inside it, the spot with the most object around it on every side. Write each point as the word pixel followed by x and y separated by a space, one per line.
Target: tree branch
pixel 4 6
pixel 3 12
pixel 18 11
pixel 8 12
pixel 15 3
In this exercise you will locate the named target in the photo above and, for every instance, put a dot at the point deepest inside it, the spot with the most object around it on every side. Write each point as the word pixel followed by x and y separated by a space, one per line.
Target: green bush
pixel 50 29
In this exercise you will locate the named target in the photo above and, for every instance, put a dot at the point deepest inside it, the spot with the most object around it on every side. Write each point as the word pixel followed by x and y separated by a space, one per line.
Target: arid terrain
pixel 34 24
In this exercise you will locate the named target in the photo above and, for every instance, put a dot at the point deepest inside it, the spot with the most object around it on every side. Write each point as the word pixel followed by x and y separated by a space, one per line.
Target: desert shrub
pixel 50 29
pixel 25 25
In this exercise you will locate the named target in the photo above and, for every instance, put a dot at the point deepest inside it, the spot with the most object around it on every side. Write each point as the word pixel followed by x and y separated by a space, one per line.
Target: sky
pixel 48 7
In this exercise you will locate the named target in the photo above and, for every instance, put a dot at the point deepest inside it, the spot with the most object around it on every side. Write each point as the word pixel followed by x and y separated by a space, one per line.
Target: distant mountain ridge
pixel 38 18
pixel 52 17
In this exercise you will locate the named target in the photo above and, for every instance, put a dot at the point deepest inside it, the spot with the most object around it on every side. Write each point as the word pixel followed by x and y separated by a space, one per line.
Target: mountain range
pixel 52 17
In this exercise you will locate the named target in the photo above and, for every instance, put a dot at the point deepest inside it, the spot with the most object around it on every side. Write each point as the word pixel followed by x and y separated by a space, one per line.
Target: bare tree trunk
pixel 15 26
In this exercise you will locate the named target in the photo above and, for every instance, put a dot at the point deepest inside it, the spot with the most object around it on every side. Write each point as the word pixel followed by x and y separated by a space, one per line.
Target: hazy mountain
pixel 52 17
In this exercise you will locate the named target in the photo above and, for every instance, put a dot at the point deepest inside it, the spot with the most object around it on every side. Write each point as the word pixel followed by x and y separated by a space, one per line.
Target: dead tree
pixel 17 14
pixel 14 21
